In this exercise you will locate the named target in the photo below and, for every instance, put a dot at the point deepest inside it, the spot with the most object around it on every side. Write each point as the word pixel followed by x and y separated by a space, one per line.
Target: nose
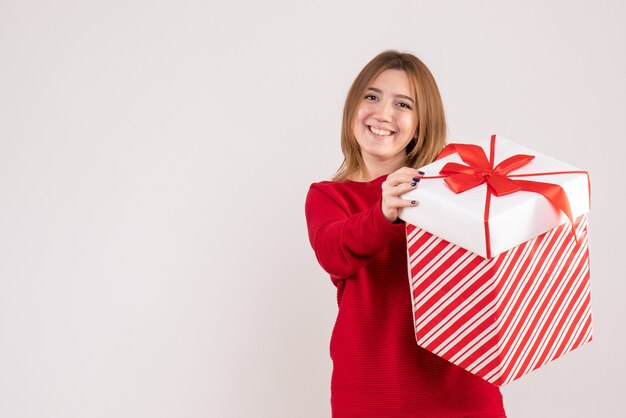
pixel 383 112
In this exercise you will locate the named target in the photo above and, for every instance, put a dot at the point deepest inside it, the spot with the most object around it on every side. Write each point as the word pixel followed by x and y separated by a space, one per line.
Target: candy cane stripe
pixel 501 318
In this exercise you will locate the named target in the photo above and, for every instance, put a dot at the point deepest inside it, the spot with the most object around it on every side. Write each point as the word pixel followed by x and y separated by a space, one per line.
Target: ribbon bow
pixel 480 169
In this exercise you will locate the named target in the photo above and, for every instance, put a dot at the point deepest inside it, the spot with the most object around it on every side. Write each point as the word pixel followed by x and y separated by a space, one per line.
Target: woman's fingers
pixel 403 175
pixel 404 188
pixel 391 205
pixel 398 203
pixel 396 184
pixel 400 189
pixel 402 178
pixel 392 202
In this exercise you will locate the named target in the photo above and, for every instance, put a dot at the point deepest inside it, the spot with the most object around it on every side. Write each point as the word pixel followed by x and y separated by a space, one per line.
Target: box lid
pixel 512 219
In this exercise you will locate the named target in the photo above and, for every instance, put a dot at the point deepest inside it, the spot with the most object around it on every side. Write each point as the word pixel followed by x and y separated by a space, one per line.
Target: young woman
pixel 393 122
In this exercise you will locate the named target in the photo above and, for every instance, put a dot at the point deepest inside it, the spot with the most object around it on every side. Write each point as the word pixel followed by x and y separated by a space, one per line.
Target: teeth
pixel 380 132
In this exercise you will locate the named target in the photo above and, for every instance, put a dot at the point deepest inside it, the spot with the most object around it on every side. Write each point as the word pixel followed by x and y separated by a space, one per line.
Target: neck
pixel 376 168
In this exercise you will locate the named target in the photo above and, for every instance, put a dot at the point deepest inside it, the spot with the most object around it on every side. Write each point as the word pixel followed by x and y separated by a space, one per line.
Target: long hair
pixel 431 122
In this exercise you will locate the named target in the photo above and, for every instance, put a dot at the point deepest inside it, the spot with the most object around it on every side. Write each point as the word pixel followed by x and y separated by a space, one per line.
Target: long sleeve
pixel 344 242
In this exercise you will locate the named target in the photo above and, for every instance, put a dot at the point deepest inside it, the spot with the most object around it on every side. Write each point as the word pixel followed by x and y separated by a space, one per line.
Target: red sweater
pixel 378 368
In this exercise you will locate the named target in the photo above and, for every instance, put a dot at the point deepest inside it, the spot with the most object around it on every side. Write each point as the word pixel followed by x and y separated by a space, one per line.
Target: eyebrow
pixel 379 91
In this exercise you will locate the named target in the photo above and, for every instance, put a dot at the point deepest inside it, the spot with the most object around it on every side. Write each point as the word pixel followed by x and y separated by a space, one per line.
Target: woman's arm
pixel 345 243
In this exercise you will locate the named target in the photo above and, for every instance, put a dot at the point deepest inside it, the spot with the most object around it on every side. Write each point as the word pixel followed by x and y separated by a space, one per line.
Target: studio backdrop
pixel 154 161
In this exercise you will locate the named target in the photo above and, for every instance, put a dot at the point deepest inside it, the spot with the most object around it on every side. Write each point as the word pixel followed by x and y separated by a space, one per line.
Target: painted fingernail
pixel 413 184
pixel 421 172
pixel 416 179
pixel 413 202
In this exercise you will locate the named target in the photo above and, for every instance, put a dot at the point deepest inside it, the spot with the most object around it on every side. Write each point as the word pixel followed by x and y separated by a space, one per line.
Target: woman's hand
pixel 396 184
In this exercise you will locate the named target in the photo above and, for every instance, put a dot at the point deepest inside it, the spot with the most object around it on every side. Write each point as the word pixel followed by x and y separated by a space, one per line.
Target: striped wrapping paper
pixel 503 317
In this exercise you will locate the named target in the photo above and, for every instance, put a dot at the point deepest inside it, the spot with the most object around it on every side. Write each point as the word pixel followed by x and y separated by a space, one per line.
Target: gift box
pixel 498 264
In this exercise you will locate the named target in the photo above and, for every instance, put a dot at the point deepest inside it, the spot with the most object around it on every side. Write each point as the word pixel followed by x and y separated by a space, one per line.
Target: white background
pixel 155 157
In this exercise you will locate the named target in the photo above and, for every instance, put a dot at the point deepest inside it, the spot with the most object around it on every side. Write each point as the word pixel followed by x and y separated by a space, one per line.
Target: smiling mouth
pixel 380 132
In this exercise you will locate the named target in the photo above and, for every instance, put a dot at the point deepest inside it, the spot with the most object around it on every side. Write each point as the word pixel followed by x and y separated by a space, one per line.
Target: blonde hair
pixel 431 126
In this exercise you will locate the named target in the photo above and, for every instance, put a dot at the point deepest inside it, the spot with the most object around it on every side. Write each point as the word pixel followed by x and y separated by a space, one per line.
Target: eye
pixel 405 105
pixel 371 97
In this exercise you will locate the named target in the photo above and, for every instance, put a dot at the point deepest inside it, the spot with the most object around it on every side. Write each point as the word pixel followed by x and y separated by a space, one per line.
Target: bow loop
pixel 474 156
pixel 453 168
pixel 513 163
pixel 461 182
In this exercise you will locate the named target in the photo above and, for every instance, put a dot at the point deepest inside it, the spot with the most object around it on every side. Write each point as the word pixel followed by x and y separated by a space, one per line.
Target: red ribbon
pixel 480 170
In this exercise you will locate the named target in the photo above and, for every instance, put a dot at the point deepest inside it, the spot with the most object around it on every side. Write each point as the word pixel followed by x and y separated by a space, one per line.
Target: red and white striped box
pixel 503 317
pixel 498 306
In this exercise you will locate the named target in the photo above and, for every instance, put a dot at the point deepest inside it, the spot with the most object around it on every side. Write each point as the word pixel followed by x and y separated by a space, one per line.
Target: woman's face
pixel 386 118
